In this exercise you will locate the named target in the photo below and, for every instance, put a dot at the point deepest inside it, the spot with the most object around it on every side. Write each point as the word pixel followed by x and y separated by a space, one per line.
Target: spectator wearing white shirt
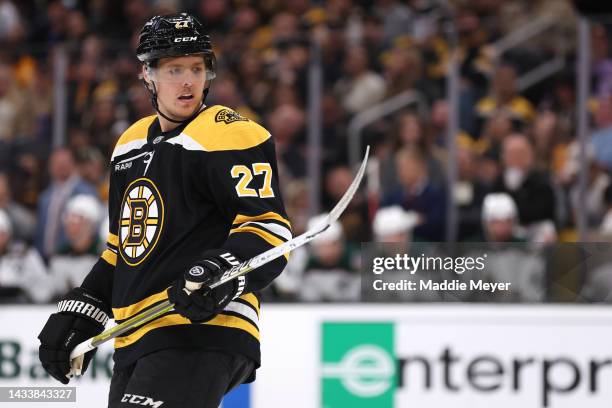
pixel 23 277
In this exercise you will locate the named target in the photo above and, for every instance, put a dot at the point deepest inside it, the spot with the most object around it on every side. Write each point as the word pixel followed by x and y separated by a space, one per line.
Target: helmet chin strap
pixel 153 95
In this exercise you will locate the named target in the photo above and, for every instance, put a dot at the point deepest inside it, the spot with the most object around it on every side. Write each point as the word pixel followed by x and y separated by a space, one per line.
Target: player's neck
pixel 166 125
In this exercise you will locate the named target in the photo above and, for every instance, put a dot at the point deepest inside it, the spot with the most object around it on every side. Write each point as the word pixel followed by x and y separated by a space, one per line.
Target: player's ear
pixel 145 74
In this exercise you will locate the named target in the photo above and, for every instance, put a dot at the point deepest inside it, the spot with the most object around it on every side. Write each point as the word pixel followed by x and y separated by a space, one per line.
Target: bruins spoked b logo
pixel 142 218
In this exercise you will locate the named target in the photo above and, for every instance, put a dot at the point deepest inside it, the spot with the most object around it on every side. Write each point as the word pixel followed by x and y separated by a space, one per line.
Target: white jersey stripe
pixel 244 310
pixel 128 147
pixel 274 228
pixel 186 141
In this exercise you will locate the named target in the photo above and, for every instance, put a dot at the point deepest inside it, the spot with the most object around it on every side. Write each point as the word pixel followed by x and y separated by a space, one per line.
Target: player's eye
pixel 176 71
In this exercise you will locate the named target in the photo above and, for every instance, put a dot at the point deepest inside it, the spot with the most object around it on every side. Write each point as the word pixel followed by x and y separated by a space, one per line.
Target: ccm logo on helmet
pixel 140 400
pixel 185 39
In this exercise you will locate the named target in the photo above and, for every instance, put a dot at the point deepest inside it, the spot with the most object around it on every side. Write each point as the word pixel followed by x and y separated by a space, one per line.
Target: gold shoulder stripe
pixel 269 238
pixel 110 257
pixel 126 312
pixel 240 219
pixel 176 319
pixel 137 131
pixel 113 239
pixel 213 135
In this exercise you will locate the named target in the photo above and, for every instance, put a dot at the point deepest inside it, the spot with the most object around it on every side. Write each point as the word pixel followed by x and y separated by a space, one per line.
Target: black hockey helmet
pixel 174 35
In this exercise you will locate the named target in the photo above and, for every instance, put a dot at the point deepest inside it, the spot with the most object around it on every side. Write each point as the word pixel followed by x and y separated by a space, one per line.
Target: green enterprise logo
pixel 358 365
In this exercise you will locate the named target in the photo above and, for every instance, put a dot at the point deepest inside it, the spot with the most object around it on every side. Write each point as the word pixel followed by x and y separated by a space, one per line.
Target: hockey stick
pixel 238 270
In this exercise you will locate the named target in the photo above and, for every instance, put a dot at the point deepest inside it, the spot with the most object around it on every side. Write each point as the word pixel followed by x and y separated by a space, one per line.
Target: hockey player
pixel 193 191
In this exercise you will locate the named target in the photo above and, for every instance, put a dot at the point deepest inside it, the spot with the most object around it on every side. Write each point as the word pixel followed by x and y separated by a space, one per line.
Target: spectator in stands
pixel 92 167
pixel 296 197
pixel 592 203
pixel 548 137
pixel 330 272
pixel 23 278
pixel 27 177
pixel 65 183
pixel 605 228
pixel 530 189
pixel 11 24
pixel 394 225
pixel 361 87
pixel 287 124
pixel 74 259
pixel 496 128
pixel 602 137
pixel 403 69
pixel 397 18
pixel 354 219
pixel 468 193
pixel 227 94
pixel 15 110
pixel 252 80
pixel 504 97
pixel 418 193
pixel 508 259
pixel 22 220
pixel 601 61
pixel 411 131
pixel 500 219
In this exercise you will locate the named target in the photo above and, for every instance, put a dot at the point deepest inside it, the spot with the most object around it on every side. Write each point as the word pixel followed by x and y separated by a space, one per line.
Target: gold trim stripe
pixel 266 236
pixel 137 131
pixel 239 135
pixel 110 257
pixel 126 312
pixel 175 319
pixel 113 239
pixel 240 219
pixel 122 313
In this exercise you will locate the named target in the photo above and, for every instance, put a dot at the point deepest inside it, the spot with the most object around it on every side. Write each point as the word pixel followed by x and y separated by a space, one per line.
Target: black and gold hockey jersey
pixel 210 183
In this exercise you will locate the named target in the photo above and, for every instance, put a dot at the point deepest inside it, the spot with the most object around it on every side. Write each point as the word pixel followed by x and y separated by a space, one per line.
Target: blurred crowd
pixel 518 157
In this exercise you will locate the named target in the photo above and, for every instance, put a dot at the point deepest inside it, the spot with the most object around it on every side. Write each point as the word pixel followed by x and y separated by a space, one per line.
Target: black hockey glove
pixel 80 316
pixel 205 303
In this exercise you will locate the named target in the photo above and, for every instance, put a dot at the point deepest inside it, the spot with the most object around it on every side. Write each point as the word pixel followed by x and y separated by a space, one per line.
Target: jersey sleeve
pixel 99 281
pixel 244 185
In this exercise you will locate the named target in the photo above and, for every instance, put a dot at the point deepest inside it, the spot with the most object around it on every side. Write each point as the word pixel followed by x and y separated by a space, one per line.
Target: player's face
pixel 180 85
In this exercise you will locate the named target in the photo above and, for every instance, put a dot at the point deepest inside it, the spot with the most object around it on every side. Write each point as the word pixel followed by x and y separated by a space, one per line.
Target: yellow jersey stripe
pixel 266 236
pixel 137 131
pixel 126 312
pixel 113 239
pixel 244 134
pixel 176 319
pixel 110 257
pixel 240 219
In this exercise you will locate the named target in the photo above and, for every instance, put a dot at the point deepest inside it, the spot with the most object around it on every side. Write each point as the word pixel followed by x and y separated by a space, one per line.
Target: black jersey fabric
pixel 210 183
